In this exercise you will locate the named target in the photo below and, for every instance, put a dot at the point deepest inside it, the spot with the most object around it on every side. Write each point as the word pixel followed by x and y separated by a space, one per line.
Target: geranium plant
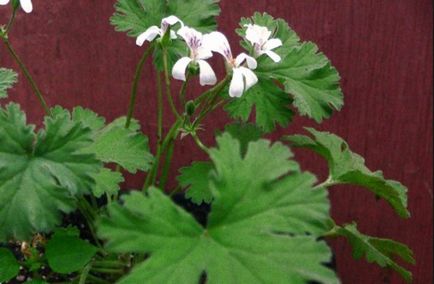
pixel 64 217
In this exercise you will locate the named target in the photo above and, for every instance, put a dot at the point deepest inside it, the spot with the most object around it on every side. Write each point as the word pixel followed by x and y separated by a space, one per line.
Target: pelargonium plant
pixel 249 213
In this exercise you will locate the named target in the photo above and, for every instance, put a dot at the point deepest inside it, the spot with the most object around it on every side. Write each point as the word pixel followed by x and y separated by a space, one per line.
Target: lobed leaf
pixel 107 182
pixel 306 74
pixel 8 78
pixel 126 147
pixel 379 251
pixel 347 167
pixel 40 174
pixel 196 178
pixel 256 233
pixel 270 102
pixel 136 16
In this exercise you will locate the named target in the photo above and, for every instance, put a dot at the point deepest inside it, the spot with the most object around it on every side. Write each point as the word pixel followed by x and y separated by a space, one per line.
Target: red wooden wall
pixel 383 50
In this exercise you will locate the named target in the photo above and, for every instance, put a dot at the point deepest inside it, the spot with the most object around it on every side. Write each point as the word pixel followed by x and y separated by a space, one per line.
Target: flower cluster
pixel 25 4
pixel 202 47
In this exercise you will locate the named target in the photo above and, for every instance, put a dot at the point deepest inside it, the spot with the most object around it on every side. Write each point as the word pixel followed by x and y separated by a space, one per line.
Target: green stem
pixel 107 270
pixel 213 94
pixel 199 143
pixel 183 90
pixel 97 280
pixel 85 273
pixel 134 88
pixel 11 21
pixel 26 73
pixel 170 135
pixel 108 264
pixel 167 164
pixel 167 81
pixel 88 213
pixel 327 183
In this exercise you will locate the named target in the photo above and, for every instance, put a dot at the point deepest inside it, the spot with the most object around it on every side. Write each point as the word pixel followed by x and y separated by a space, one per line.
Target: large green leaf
pixel 380 251
pixel 263 226
pixel 9 266
pixel 67 253
pixel 271 104
pixel 305 73
pixel 135 16
pixel 40 173
pixel 126 147
pixel 7 79
pixel 347 167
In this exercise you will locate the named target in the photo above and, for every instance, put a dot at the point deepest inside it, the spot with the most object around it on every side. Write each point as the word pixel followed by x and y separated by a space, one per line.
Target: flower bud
pixel 190 108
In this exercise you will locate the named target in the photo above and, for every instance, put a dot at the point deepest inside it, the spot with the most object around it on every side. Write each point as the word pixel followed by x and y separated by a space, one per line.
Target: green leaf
pixel 136 16
pixel 379 251
pixel 107 182
pixel 305 73
pixel 244 133
pixel 347 167
pixel 40 173
pixel 88 118
pixel 67 253
pixel 263 227
pixel 271 104
pixel 196 177
pixel 9 266
pixel 125 147
pixel 7 79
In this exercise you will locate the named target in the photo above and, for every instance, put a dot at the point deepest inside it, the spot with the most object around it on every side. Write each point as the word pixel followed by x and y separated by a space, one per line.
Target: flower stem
pixel 199 142
pixel 167 81
pixel 166 167
pixel 209 106
pixel 11 21
pixel 184 89
pixel 135 86
pixel 26 73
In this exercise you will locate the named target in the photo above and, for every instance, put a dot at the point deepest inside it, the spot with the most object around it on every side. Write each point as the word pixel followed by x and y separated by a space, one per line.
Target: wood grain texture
pixel 383 50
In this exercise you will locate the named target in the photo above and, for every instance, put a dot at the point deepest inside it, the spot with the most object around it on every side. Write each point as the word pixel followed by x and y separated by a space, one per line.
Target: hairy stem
pixel 26 73
pixel 134 88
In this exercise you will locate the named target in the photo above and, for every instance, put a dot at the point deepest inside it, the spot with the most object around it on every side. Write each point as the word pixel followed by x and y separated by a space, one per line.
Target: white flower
pixel 151 33
pixel 243 77
pixel 25 4
pixel 198 54
pixel 259 37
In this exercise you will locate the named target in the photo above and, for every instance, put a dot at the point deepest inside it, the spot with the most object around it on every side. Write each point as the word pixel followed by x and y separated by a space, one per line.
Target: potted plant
pixel 253 216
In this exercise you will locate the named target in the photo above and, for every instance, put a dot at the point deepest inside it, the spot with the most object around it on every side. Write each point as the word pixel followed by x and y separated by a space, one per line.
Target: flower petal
pixel 4 2
pixel 272 44
pixel 207 75
pixel 250 78
pixel 178 71
pixel 217 42
pixel 257 34
pixel 26 5
pixel 170 21
pixel 251 62
pixel 149 35
pixel 236 88
pixel 273 55
pixel 203 53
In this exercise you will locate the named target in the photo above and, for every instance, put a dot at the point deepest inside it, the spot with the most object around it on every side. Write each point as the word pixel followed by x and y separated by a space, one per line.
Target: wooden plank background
pixel 383 50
